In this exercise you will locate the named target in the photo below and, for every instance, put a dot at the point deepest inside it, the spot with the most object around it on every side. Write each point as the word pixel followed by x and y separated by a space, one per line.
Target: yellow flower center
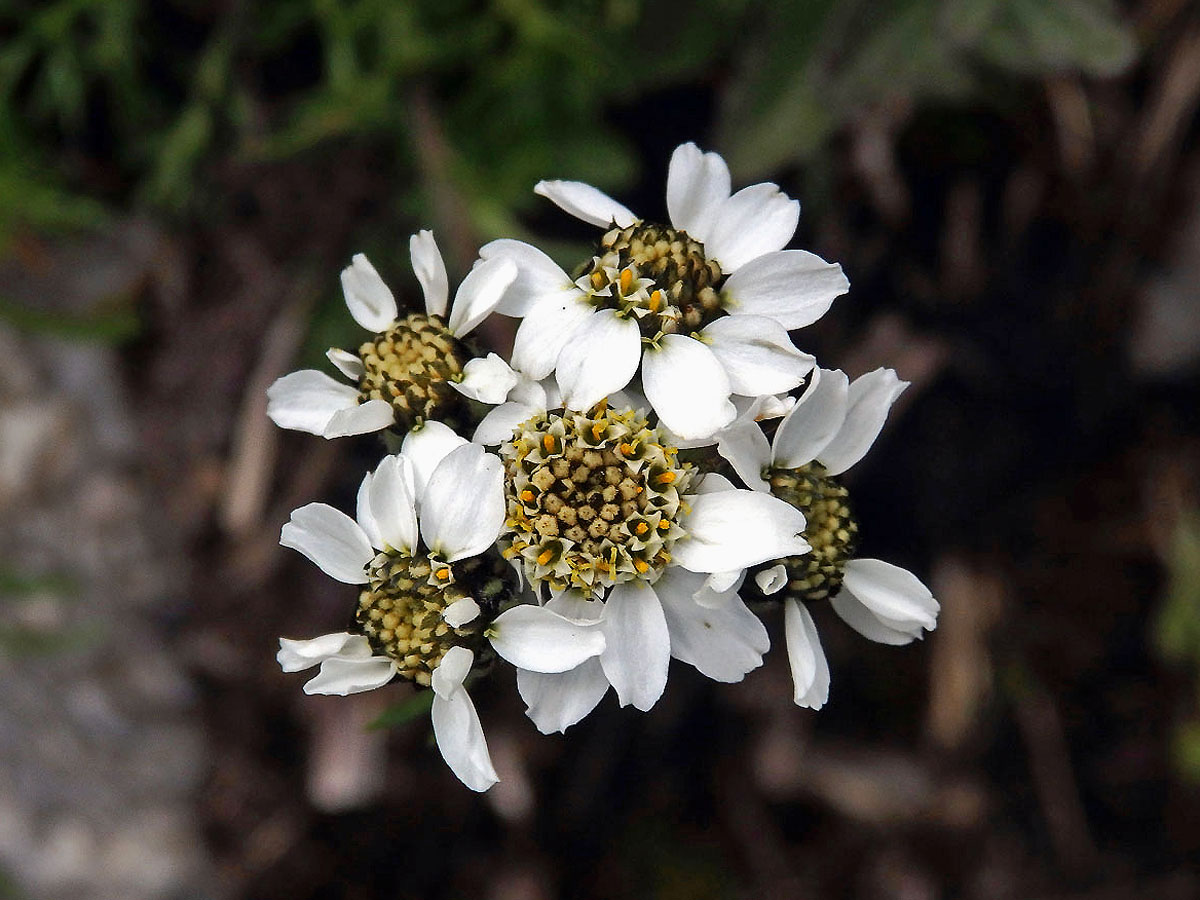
pixel 401 610
pixel 593 499
pixel 658 275
pixel 831 530
pixel 411 366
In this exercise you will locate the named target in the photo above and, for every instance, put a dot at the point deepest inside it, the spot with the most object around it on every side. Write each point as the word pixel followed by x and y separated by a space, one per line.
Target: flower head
pixel 701 308
pixel 414 368
pixel 429 609
pixel 603 515
pixel 830 428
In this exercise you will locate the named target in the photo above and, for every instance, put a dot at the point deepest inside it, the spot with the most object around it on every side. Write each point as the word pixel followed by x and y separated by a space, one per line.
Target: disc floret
pixel 831 531
pixel 411 366
pixel 402 610
pixel 656 274
pixel 593 500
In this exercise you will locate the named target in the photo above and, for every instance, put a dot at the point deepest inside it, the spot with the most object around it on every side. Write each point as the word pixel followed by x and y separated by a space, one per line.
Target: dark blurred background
pixel 1013 188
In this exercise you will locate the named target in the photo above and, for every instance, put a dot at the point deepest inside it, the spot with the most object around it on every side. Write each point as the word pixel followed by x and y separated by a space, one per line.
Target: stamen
pixel 401 608
pixel 579 513
pixel 658 276
pixel 412 366
pixel 831 531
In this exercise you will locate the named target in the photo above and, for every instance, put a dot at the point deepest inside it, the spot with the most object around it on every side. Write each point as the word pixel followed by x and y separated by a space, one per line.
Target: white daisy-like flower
pixel 601 513
pixel 415 367
pixel 701 308
pixel 428 607
pixel 830 428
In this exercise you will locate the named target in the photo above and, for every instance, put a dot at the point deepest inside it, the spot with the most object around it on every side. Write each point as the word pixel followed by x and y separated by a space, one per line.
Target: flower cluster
pixel 571 510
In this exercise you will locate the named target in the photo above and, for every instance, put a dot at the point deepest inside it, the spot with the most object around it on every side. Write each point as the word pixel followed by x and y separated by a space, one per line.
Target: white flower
pixel 701 309
pixel 393 381
pixel 829 429
pixel 601 514
pixel 429 602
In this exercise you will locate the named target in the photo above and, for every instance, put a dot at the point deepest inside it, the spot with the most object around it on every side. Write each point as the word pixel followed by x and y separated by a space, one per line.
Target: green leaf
pixel 405 711
pixel 1185 751
pixel 1035 36
pixel 15 584
pixel 111 327
pixel 1177 629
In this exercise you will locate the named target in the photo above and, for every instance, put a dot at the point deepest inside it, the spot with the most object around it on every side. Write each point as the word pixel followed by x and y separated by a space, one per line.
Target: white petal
pixel 718 589
pixel 857 616
pixel 687 386
pixel 894 595
pixel 392 505
pixel 534 638
pixel 462 509
pixel 369 300
pixel 713 482
pixel 810 669
pixel 545 330
pixel 498 425
pixel 585 202
pixel 870 398
pixel 756 220
pixel 347 363
pixel 479 293
pixel 556 702
pixel 775 407
pixel 813 421
pixel 363 514
pixel 745 447
pixel 542 394
pixel 460 612
pixel 599 359
pixel 538 277
pixel 793 287
pixel 723 581
pixel 738 529
pixel 331 539
pixel 295 656
pixel 430 270
pixel 307 400
pixel 452 671
pixel 757 355
pixel 723 643
pixel 342 676
pixel 459 735
pixel 425 447
pixel 576 606
pixel 638 649
pixel 771 581
pixel 697 184
pixel 487 380
pixel 374 415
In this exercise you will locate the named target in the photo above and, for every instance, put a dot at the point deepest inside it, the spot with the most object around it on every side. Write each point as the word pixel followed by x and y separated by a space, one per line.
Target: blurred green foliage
pixel 24 635
pixel 404 711
pixel 1177 632
pixel 823 63
pixel 111 104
